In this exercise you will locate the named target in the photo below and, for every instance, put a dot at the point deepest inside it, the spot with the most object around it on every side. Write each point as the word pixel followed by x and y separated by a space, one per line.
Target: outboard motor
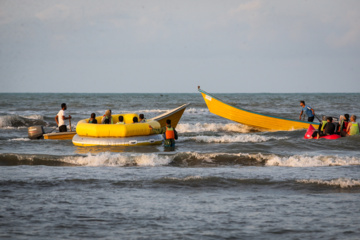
pixel 36 132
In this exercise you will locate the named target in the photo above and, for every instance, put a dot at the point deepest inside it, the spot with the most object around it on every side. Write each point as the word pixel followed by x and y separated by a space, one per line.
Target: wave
pixel 213 127
pixel 194 181
pixel 311 161
pixel 243 138
pixel 17 121
pixel 181 159
pixel 101 159
pixel 108 159
pixel 19 139
pixel 340 182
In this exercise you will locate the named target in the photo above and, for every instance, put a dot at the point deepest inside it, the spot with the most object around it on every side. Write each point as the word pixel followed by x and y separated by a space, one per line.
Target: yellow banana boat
pixel 129 133
pixel 89 134
pixel 250 118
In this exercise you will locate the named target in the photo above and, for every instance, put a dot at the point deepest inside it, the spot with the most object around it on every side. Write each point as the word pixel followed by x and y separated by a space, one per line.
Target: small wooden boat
pixel 251 118
pixel 38 132
pixel 60 135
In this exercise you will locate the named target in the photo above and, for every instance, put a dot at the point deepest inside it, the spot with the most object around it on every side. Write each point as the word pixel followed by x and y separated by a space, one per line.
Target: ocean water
pixel 223 181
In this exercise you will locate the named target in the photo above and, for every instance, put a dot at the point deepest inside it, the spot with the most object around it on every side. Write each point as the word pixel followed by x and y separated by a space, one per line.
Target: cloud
pixel 247 7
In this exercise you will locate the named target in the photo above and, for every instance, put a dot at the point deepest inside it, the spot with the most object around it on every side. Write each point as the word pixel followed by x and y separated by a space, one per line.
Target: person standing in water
pixel 60 118
pixel 169 134
pixel 309 111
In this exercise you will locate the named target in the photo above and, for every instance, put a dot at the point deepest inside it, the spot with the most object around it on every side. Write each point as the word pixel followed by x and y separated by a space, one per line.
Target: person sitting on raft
pixel 142 119
pixel 327 129
pixel 135 120
pixel 353 127
pixel 343 123
pixel 121 120
pixel 92 118
pixel 107 118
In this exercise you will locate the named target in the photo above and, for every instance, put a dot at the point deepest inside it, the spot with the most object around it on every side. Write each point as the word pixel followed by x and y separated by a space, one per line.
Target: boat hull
pixel 252 119
pixel 60 135
pixel 120 141
pixel 174 115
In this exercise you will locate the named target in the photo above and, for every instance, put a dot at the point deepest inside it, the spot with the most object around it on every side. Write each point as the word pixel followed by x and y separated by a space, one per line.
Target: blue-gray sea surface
pixel 223 181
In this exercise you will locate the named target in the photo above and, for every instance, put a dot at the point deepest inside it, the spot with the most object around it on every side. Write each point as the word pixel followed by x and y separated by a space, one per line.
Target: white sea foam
pixel 19 139
pixel 232 139
pixel 34 116
pixel 197 111
pixel 188 178
pixel 109 159
pixel 212 127
pixel 208 157
pixel 311 161
pixel 340 182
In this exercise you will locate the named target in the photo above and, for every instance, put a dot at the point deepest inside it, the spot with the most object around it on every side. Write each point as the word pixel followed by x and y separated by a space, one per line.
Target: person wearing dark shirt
pixel 92 118
pixel 327 129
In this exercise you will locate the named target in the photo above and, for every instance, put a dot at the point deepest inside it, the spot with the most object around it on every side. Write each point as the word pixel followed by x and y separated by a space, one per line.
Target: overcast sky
pixel 174 46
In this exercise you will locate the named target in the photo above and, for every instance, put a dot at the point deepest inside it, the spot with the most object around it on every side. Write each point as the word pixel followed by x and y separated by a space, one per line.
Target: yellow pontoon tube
pixel 90 134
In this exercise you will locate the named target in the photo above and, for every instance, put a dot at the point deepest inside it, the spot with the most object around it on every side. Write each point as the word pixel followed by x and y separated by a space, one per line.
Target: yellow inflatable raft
pixel 129 133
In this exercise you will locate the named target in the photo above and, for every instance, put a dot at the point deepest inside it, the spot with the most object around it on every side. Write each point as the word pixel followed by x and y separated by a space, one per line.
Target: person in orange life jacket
pixel 92 118
pixel 60 118
pixel 107 118
pixel 353 127
pixel 309 111
pixel 169 134
pixel 326 129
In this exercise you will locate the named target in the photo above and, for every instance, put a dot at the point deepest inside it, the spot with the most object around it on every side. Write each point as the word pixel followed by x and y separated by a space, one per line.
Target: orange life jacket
pixel 170 133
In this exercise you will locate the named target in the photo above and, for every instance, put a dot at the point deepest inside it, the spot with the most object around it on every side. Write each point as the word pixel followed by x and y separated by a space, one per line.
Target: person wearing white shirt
pixel 60 118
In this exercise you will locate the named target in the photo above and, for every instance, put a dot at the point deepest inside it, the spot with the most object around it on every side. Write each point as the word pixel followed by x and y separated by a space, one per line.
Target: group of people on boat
pixel 107 118
pixel 169 133
pixel 346 126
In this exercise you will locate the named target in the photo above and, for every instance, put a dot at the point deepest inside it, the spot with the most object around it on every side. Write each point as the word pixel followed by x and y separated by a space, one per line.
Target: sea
pixel 224 180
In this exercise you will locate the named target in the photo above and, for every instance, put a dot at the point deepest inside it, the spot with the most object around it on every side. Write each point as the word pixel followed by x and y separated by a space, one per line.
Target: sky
pixel 225 46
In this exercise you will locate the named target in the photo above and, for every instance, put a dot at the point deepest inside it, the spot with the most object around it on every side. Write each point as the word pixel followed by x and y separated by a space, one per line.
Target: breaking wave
pixel 108 159
pixel 213 127
pixel 16 121
pixel 311 161
pixel 243 138
pixel 340 182
pixel 181 159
